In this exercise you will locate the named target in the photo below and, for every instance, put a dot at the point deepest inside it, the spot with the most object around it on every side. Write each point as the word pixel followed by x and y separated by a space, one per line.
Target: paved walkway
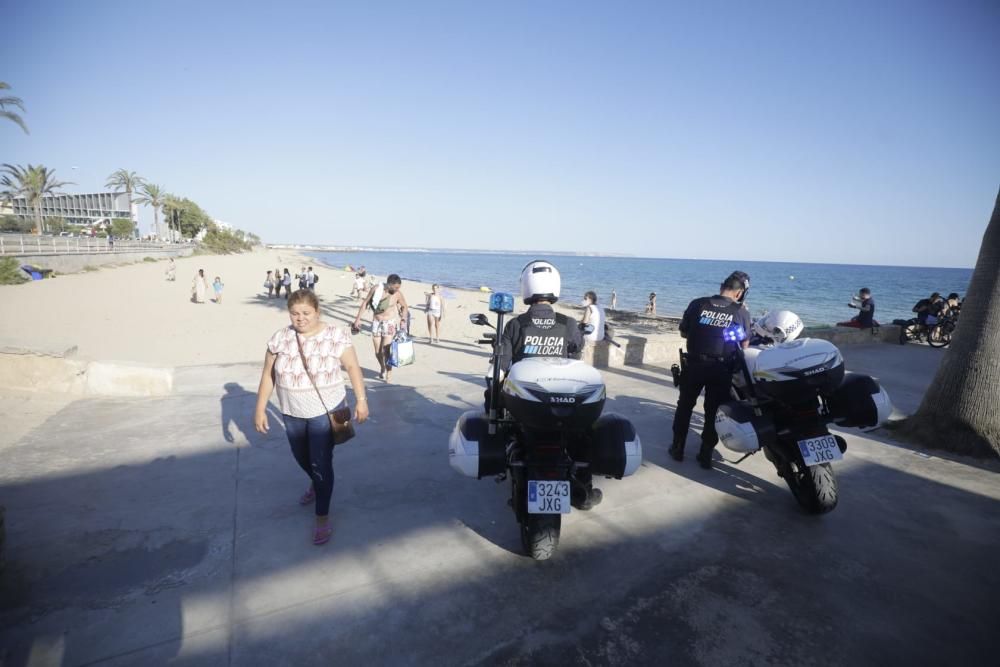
pixel 143 531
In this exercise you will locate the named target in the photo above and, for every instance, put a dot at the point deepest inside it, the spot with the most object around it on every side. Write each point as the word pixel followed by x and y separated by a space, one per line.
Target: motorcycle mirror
pixel 587 328
pixel 479 319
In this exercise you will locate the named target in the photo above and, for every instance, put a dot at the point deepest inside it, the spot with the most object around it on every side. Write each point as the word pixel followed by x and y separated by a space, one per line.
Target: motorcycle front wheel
pixel 540 535
pixel 814 488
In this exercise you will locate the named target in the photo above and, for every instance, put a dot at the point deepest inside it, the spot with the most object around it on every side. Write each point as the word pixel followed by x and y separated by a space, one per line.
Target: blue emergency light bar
pixel 502 302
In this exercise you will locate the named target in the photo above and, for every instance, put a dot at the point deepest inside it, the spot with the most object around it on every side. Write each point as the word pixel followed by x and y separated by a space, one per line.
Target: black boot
pixel 676 451
pixel 588 500
pixel 705 456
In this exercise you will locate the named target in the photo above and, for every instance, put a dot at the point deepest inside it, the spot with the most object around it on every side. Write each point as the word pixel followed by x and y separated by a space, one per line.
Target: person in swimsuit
pixel 435 313
pixel 390 315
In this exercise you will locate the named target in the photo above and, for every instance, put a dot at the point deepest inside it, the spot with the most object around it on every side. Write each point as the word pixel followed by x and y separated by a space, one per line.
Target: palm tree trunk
pixel 38 217
pixel 959 411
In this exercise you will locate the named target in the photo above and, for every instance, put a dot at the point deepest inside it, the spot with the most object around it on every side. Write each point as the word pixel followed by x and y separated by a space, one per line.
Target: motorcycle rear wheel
pixel 815 488
pixel 540 535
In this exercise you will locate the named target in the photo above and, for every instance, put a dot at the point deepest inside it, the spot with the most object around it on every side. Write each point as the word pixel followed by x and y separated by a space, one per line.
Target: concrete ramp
pixel 26 370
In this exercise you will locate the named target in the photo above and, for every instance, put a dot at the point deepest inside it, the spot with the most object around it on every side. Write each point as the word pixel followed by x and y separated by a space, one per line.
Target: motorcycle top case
pixel 472 451
pixel 740 430
pixel 615 450
pixel 796 370
pixel 859 402
pixel 550 392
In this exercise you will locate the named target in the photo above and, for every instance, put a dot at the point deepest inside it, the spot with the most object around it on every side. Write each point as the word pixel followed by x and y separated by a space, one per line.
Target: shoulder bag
pixel 340 420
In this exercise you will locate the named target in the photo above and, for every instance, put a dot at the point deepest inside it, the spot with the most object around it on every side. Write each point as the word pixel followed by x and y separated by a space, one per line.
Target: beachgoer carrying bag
pixel 302 365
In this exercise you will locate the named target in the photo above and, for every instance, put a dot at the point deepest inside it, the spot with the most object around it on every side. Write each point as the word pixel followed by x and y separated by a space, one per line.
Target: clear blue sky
pixel 857 132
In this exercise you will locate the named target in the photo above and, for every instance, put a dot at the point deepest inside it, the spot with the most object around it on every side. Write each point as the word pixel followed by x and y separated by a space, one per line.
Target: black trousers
pixel 715 377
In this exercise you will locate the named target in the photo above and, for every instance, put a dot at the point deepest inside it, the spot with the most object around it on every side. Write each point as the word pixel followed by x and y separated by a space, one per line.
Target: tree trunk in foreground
pixel 961 409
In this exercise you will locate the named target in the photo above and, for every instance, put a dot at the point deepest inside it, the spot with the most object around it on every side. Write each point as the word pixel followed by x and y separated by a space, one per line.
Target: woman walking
pixel 286 282
pixel 435 313
pixel 306 391
pixel 198 287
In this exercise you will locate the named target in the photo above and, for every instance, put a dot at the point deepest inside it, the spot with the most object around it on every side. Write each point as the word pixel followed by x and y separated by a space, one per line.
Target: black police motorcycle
pixel 543 430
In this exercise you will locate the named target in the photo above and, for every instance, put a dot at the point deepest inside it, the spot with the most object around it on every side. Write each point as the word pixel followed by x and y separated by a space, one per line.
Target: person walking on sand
pixel 651 304
pixel 389 315
pixel 277 283
pixel 302 364
pixel 269 284
pixel 217 286
pixel 198 287
pixel 286 282
pixel 435 313
pixel 614 300
pixel 171 271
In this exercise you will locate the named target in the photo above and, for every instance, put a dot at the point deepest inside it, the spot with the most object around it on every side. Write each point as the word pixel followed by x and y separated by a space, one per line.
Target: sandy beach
pixel 131 313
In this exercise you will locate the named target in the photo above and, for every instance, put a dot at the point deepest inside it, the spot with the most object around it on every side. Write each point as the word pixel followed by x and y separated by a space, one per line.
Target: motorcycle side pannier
pixel 740 430
pixel 616 450
pixel 859 402
pixel 472 451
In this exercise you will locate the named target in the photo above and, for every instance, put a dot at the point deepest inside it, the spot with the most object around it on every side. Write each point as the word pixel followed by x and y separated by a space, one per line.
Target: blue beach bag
pixel 401 352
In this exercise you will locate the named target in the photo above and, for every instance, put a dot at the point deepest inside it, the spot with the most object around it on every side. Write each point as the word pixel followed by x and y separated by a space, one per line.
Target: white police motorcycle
pixel 786 392
pixel 542 429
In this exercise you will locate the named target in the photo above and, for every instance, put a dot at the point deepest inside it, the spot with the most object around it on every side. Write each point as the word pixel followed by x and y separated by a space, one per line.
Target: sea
pixel 818 293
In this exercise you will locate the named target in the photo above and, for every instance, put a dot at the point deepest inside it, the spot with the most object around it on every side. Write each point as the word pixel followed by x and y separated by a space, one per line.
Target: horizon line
pixel 566 253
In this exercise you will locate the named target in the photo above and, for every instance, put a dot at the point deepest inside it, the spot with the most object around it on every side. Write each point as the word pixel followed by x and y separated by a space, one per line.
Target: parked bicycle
pixel 936 334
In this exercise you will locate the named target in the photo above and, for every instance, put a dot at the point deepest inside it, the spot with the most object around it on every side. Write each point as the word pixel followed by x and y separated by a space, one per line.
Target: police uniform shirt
pixel 539 332
pixel 707 319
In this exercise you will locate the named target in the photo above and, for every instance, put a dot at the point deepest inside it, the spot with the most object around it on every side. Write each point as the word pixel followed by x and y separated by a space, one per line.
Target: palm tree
pixel 152 195
pixel 128 182
pixel 959 410
pixel 12 102
pixel 33 183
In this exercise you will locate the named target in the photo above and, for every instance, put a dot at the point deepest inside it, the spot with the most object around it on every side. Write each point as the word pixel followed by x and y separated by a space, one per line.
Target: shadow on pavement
pixel 144 541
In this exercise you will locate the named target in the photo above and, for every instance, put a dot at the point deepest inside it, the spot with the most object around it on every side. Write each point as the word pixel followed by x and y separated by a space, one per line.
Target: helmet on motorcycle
pixel 540 281
pixel 781 326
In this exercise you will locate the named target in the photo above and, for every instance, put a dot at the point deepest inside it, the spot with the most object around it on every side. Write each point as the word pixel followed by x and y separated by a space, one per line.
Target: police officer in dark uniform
pixel 541 331
pixel 714 327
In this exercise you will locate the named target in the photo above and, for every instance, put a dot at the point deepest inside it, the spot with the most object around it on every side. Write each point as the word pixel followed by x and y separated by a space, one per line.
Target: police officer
pixel 542 332
pixel 714 326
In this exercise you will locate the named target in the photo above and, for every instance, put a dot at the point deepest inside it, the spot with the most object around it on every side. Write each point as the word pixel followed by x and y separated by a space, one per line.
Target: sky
pixel 844 132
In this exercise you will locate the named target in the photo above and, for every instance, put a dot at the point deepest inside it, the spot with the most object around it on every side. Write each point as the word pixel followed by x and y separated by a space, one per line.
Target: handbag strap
pixel 305 367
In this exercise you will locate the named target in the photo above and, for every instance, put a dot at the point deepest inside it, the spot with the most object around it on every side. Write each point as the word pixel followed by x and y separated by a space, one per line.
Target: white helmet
pixel 781 326
pixel 540 281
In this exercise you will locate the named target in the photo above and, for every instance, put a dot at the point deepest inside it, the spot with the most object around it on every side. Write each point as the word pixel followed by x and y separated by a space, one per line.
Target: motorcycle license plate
pixel 823 449
pixel 548 497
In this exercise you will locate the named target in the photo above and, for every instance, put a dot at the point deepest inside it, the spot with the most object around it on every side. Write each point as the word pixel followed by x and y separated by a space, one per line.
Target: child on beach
pixel 614 300
pixel 651 305
pixel 435 313
pixel 217 286
pixel 171 271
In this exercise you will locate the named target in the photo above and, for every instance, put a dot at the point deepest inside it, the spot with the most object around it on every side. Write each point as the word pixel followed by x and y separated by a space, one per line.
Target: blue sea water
pixel 818 293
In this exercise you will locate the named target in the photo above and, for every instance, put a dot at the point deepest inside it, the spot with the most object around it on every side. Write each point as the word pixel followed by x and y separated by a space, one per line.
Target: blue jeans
pixel 311 440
